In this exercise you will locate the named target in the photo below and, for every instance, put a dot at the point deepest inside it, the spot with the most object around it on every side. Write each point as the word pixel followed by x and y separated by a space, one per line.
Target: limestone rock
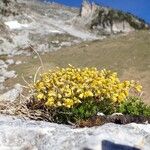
pixel 19 134
pixel 13 94
pixel 105 20
pixel 10 61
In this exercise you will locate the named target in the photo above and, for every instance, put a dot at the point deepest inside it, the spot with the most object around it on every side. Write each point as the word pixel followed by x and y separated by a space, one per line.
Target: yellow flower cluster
pixel 70 86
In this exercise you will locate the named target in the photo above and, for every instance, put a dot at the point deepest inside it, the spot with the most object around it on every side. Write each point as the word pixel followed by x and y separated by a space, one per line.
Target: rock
pixel 13 94
pixel 1 41
pixel 104 20
pixel 1 87
pixel 4 73
pixel 65 44
pixel 7 74
pixel 2 79
pixel 10 61
pixel 117 114
pixel 100 114
pixel 17 133
pixel 2 63
pixel 18 62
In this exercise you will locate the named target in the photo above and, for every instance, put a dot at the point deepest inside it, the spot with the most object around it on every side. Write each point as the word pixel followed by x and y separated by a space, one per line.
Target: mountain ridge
pixel 110 20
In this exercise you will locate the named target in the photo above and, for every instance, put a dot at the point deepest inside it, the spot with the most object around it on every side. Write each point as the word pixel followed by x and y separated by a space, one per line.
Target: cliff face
pixel 105 20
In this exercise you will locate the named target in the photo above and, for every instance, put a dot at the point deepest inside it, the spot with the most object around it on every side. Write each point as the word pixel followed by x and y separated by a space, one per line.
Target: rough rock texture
pixel 18 134
pixel 13 94
pixel 39 25
pixel 5 73
pixel 105 20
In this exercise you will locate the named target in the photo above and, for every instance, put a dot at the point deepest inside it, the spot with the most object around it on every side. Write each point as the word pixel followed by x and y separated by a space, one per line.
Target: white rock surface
pixel 13 94
pixel 14 24
pixel 18 62
pixel 2 79
pixel 4 73
pixel 7 74
pixel 18 134
pixel 2 86
pixel 10 61
pixel 2 62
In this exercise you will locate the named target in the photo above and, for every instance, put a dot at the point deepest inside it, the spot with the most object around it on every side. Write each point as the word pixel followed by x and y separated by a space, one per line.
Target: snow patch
pixel 16 25
pixel 55 31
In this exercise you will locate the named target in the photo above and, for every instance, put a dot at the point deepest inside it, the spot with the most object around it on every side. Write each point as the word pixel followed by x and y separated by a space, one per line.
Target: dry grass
pixel 24 110
pixel 21 109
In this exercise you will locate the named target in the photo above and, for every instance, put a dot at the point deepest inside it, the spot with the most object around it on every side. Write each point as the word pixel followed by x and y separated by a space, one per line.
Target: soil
pixel 117 119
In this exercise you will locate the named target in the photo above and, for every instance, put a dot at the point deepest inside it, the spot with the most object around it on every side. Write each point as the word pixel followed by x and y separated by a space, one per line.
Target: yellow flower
pixel 52 93
pixel 40 85
pixel 138 88
pixel 59 96
pixel 69 86
pixel 68 93
pixel 40 96
pixel 81 95
pixel 88 94
pixel 121 97
pixel 126 92
pixel 59 104
pixel 68 103
pixel 114 98
pixel 50 101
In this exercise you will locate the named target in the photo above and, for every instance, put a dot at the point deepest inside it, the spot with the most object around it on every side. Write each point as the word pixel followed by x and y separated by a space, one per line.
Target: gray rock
pixel 13 94
pixel 3 64
pixel 100 114
pixel 7 74
pixel 105 20
pixel 1 41
pixel 1 87
pixel 18 62
pixel 10 61
pixel 2 79
pixel 19 134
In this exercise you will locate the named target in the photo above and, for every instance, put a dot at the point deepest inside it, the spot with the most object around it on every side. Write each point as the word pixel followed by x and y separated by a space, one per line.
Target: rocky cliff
pixel 105 20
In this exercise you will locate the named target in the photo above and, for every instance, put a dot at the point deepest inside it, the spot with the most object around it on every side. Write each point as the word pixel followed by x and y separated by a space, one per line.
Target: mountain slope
pixel 105 20
pixel 50 26
pixel 44 26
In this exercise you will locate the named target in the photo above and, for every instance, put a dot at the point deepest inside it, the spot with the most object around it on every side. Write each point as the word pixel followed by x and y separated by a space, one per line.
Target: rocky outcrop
pixel 5 74
pixel 13 94
pixel 21 134
pixel 105 20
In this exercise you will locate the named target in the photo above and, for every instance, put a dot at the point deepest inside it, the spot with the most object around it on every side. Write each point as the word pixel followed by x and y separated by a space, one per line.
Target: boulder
pixel 13 94
pixel 21 134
